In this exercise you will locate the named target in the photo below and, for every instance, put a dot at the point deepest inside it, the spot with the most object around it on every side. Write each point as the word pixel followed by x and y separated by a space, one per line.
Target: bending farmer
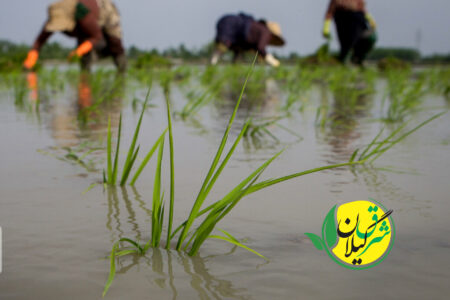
pixel 240 33
pixel 94 23
pixel 355 28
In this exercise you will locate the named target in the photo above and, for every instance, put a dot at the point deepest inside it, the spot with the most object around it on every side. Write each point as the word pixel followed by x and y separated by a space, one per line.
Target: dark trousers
pixel 354 35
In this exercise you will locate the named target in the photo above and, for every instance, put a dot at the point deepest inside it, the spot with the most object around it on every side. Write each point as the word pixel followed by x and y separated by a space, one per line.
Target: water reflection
pixel 168 266
pixel 115 216
pixel 77 126
pixel 340 127
pixel 342 122
pixel 261 103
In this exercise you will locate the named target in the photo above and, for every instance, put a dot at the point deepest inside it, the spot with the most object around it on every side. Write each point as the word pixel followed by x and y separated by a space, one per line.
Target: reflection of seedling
pixel 83 155
pixel 260 130
pixel 137 104
pixel 403 97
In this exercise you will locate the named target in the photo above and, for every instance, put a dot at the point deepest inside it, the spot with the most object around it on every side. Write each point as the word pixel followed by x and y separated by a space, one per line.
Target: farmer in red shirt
pixel 241 32
pixel 355 28
pixel 94 23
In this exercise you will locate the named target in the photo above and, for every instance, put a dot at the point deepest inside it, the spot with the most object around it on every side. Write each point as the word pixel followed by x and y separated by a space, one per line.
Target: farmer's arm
pixel 265 37
pixel 33 54
pixel 43 36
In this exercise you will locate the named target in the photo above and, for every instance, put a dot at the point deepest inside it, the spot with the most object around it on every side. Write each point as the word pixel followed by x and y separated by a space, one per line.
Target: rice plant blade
pixel 218 206
pixel 222 207
pixel 112 268
pixel 147 158
pixel 383 142
pixel 108 151
pixel 225 161
pixel 116 158
pixel 219 170
pixel 354 155
pixel 93 185
pixel 371 144
pixel 134 243
pixel 128 162
pixel 127 252
pixel 199 201
pixel 270 182
pixel 234 241
pixel 172 172
pixel 127 169
pixel 157 199
pixel 407 134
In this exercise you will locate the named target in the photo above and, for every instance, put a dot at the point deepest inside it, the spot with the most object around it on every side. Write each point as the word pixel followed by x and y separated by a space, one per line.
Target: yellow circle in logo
pixel 364 233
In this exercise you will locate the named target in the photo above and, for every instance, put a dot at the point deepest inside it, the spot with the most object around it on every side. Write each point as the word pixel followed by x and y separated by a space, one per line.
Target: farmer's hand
pixel 31 59
pixel 326 29
pixel 272 60
pixel 83 49
pixel 371 21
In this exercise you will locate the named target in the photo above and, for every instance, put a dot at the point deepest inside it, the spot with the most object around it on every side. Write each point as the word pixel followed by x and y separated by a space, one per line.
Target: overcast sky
pixel 160 24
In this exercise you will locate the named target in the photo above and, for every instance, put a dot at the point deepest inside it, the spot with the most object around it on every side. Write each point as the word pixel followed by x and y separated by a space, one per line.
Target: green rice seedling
pixel 111 173
pixel 403 97
pixel 147 158
pixel 158 202
pixel 376 148
pixel 198 100
pixel 260 129
pixel 172 168
pixel 191 239
pixel 20 90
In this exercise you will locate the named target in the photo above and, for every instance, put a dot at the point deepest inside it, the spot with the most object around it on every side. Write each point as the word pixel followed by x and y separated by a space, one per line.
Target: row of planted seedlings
pixel 188 238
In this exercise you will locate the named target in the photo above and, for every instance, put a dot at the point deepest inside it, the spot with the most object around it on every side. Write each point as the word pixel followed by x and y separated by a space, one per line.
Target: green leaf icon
pixel 329 229
pixel 316 240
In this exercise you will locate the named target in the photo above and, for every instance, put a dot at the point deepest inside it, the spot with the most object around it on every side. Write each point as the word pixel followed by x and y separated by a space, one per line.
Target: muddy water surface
pixel 56 237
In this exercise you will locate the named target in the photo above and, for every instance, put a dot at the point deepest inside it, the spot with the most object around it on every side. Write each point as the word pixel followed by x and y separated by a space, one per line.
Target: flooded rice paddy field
pixel 59 222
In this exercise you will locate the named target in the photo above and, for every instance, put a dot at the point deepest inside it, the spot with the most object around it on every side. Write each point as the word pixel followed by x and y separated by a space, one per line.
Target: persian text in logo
pixel 357 235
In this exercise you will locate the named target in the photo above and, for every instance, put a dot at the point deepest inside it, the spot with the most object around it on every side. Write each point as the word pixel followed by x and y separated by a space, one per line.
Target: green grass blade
pixel 232 240
pixel 133 243
pixel 126 252
pixel 383 142
pixel 112 269
pixel 172 171
pixel 157 199
pixel 371 144
pixel 109 151
pixel 198 203
pixel 222 207
pixel 403 136
pixel 116 158
pixel 147 158
pixel 270 182
pixel 127 170
pixel 217 173
pixel 128 162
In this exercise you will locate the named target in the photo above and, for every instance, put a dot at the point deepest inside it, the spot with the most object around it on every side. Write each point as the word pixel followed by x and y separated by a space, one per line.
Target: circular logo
pixel 357 235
